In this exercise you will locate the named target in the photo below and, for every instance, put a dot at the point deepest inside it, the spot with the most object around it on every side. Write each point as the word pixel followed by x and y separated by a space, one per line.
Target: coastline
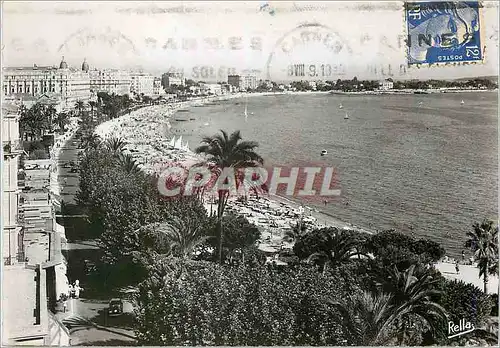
pixel 411 91
pixel 272 214
pixel 144 132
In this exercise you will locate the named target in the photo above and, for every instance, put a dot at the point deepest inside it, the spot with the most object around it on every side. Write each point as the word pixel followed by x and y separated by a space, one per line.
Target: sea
pixel 422 164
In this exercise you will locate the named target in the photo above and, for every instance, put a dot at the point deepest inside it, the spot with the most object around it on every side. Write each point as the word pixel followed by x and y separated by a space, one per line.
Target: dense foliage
pixel 120 201
pixel 328 246
pixel 393 248
pixel 465 301
pixel 240 234
pixel 341 287
pixel 212 305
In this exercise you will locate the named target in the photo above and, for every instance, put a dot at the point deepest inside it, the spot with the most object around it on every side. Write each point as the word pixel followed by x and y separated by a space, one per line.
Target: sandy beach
pixel 145 132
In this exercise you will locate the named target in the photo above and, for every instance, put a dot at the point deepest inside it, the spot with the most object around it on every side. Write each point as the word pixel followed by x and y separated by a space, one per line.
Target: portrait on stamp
pixel 443 32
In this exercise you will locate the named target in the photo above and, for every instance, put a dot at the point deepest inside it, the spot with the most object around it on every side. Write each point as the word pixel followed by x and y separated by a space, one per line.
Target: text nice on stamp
pixel 443 32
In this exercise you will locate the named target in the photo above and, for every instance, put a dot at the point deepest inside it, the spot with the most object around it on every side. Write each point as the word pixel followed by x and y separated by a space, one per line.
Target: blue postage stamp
pixel 443 32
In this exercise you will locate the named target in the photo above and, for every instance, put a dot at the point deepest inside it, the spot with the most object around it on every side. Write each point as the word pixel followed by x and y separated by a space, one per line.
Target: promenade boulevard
pixel 106 331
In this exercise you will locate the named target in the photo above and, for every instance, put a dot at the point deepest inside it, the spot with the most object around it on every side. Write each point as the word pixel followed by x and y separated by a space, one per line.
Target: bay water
pixel 425 165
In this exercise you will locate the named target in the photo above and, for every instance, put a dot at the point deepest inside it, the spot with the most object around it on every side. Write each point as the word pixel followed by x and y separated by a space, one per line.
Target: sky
pixel 209 40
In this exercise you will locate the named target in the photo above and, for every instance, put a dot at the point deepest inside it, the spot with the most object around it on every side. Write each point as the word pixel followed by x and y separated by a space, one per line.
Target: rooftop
pixel 18 316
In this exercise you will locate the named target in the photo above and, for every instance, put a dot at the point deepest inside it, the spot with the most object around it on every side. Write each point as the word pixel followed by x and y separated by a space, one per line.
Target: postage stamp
pixel 443 32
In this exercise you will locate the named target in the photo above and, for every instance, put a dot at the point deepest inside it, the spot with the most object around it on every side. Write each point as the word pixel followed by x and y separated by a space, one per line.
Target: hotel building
pixel 70 84
pixel 142 83
pixel 170 79
pixel 111 81
pixel 243 82
pixel 157 87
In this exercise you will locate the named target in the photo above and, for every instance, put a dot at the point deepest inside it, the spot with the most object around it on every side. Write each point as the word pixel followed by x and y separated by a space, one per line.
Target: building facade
pixel 234 80
pixel 171 79
pixel 26 284
pixel 212 89
pixel 13 250
pixel 248 82
pixel 386 85
pixel 157 87
pixel 243 82
pixel 71 84
pixel 142 83
pixel 111 81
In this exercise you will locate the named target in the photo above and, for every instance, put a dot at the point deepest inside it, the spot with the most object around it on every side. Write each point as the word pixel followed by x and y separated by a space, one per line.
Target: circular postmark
pixel 99 39
pixel 311 51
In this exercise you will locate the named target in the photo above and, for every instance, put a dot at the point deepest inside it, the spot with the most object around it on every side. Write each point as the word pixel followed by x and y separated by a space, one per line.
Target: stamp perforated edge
pixel 483 48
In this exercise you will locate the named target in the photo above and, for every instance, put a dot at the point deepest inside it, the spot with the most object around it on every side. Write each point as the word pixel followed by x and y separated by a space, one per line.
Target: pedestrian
pixel 65 305
pixel 463 256
pixel 456 267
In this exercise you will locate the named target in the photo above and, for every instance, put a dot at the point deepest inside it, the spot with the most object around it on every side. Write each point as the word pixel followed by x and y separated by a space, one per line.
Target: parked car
pixel 115 307
pixel 90 267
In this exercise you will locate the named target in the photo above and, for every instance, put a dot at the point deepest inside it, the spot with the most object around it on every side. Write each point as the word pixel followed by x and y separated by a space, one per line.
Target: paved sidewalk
pixel 468 274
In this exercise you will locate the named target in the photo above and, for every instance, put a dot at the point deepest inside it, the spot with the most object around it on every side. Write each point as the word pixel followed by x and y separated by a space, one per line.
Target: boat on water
pixel 183 110
pixel 206 124
pixel 346 117
pixel 462 102
pixel 341 106
pixel 324 152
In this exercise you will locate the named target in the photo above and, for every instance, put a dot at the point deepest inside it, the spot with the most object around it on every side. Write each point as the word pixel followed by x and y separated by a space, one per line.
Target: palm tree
pixel 182 236
pixel 414 291
pixel 483 241
pixel 50 113
pixel 90 140
pixel 224 151
pixel 80 106
pixel 92 105
pixel 367 318
pixel 115 145
pixel 128 163
pixel 374 318
pixel 62 120
pixel 339 247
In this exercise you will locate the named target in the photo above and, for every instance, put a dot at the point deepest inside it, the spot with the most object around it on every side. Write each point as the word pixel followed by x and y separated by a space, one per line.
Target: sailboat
pixel 341 106
pixel 462 102
pixel 346 116
pixel 178 143
pixel 186 147
pixel 172 142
